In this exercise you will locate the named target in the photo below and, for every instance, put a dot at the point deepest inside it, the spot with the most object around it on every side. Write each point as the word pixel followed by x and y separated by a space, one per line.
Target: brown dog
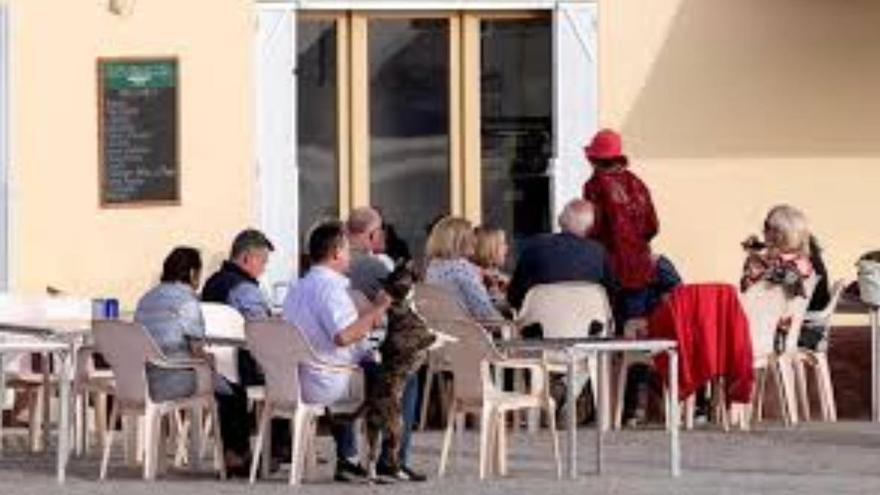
pixel 403 351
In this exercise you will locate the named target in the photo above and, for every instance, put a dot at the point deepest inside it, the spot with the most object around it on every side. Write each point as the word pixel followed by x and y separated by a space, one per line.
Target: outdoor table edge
pixel 645 345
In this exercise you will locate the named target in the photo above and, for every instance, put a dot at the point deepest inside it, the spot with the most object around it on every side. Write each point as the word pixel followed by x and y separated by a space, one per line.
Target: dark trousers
pixel 235 424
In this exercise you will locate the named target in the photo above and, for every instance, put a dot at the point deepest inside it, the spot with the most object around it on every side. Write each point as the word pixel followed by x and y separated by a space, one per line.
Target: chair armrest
pixel 537 368
pixel 180 364
pixel 442 339
pixel 521 363
pixel 334 368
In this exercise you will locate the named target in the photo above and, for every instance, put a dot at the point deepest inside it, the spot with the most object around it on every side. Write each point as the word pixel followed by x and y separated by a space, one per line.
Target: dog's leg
pixel 395 432
pixel 373 447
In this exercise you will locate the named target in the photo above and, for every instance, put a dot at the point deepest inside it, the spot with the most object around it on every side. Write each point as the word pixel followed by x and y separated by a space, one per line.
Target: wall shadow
pixel 758 78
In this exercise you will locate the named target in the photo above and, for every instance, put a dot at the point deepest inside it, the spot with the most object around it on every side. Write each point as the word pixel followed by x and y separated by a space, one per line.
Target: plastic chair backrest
pixel 765 304
pixel 279 348
pixel 567 309
pixel 222 320
pixel 469 359
pixel 435 302
pixel 823 316
pixel 127 347
pixel 797 308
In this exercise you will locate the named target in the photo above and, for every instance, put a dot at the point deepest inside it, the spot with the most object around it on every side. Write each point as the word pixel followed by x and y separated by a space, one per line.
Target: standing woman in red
pixel 625 224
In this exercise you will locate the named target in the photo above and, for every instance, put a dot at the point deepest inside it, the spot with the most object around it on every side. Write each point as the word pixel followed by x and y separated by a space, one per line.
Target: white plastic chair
pixel 94 385
pixel 817 361
pixel 225 321
pixel 765 304
pixel 128 348
pixel 568 310
pixel 436 303
pixel 281 349
pixel 474 391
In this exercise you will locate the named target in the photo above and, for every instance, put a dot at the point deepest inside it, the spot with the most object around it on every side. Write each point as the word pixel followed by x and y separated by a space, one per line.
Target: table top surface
pixel 590 344
pixel 46 327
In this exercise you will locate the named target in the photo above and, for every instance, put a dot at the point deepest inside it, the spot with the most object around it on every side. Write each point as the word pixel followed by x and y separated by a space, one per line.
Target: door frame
pixel 353 109
pixel 5 142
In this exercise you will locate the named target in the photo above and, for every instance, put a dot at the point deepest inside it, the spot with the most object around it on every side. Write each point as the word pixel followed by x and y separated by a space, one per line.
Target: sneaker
pixel 405 473
pixel 347 471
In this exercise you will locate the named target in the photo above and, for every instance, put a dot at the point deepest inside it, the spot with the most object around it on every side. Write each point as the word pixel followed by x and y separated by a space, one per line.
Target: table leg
pixel 47 404
pixel 675 416
pixel 875 364
pixel 601 358
pixel 571 408
pixel 64 374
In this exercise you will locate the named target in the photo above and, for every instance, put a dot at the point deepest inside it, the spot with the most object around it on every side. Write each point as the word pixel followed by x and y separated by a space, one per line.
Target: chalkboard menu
pixel 137 124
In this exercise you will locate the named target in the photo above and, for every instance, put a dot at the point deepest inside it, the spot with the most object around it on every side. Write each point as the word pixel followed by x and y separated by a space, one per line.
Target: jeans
pixel 345 437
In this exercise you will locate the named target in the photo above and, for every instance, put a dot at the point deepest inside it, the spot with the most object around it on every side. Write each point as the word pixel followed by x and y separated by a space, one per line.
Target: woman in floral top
pixel 782 258
pixel 450 246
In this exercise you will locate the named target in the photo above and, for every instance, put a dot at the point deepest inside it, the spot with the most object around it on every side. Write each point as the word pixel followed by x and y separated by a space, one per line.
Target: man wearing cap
pixel 236 284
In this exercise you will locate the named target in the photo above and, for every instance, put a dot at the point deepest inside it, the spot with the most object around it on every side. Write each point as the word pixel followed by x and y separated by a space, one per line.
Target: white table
pixel 850 305
pixel 58 337
pixel 600 349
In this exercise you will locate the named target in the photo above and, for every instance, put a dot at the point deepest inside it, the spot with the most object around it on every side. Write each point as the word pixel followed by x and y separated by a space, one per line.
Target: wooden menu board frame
pixel 104 201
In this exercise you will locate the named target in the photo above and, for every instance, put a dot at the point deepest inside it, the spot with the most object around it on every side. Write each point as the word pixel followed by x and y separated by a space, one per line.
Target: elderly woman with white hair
pixel 783 257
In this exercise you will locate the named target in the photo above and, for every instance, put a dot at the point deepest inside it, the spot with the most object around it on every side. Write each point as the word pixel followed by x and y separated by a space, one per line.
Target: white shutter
pixel 276 137
pixel 5 154
pixel 576 101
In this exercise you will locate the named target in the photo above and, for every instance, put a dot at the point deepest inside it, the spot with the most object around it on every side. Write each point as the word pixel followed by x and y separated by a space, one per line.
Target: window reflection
pixel 316 122
pixel 516 124
pixel 409 123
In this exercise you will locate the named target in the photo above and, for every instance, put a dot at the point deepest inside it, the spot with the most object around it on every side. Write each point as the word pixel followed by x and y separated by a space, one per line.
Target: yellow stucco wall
pixel 60 236
pixel 728 107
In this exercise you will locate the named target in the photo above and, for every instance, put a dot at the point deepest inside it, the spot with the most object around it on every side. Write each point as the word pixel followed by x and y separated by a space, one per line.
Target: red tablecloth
pixel 713 338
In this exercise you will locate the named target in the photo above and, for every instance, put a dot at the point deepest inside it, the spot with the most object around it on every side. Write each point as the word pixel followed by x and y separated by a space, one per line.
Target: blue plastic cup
pixel 111 308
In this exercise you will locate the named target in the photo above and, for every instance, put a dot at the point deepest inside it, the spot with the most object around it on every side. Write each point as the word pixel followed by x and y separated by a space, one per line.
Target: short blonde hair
pixel 488 242
pixel 786 228
pixel 451 237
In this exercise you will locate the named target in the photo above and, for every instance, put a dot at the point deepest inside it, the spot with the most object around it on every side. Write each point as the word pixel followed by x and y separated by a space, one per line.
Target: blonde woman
pixel 491 255
pixel 451 245
pixel 783 257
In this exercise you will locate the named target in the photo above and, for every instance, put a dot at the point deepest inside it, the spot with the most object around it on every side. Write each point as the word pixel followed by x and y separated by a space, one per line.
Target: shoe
pixel 237 465
pixel 347 471
pixel 405 473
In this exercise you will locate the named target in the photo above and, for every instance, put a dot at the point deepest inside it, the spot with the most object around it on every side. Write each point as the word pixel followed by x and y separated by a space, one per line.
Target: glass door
pixel 423 114
pixel 318 87
pixel 407 90
pixel 516 100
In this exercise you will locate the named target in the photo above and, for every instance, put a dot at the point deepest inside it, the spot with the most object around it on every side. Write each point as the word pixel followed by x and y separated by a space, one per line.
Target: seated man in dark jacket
pixel 236 284
pixel 568 256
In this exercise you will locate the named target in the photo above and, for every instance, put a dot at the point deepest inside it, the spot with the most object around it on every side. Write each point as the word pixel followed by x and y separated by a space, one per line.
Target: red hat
pixel 606 145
